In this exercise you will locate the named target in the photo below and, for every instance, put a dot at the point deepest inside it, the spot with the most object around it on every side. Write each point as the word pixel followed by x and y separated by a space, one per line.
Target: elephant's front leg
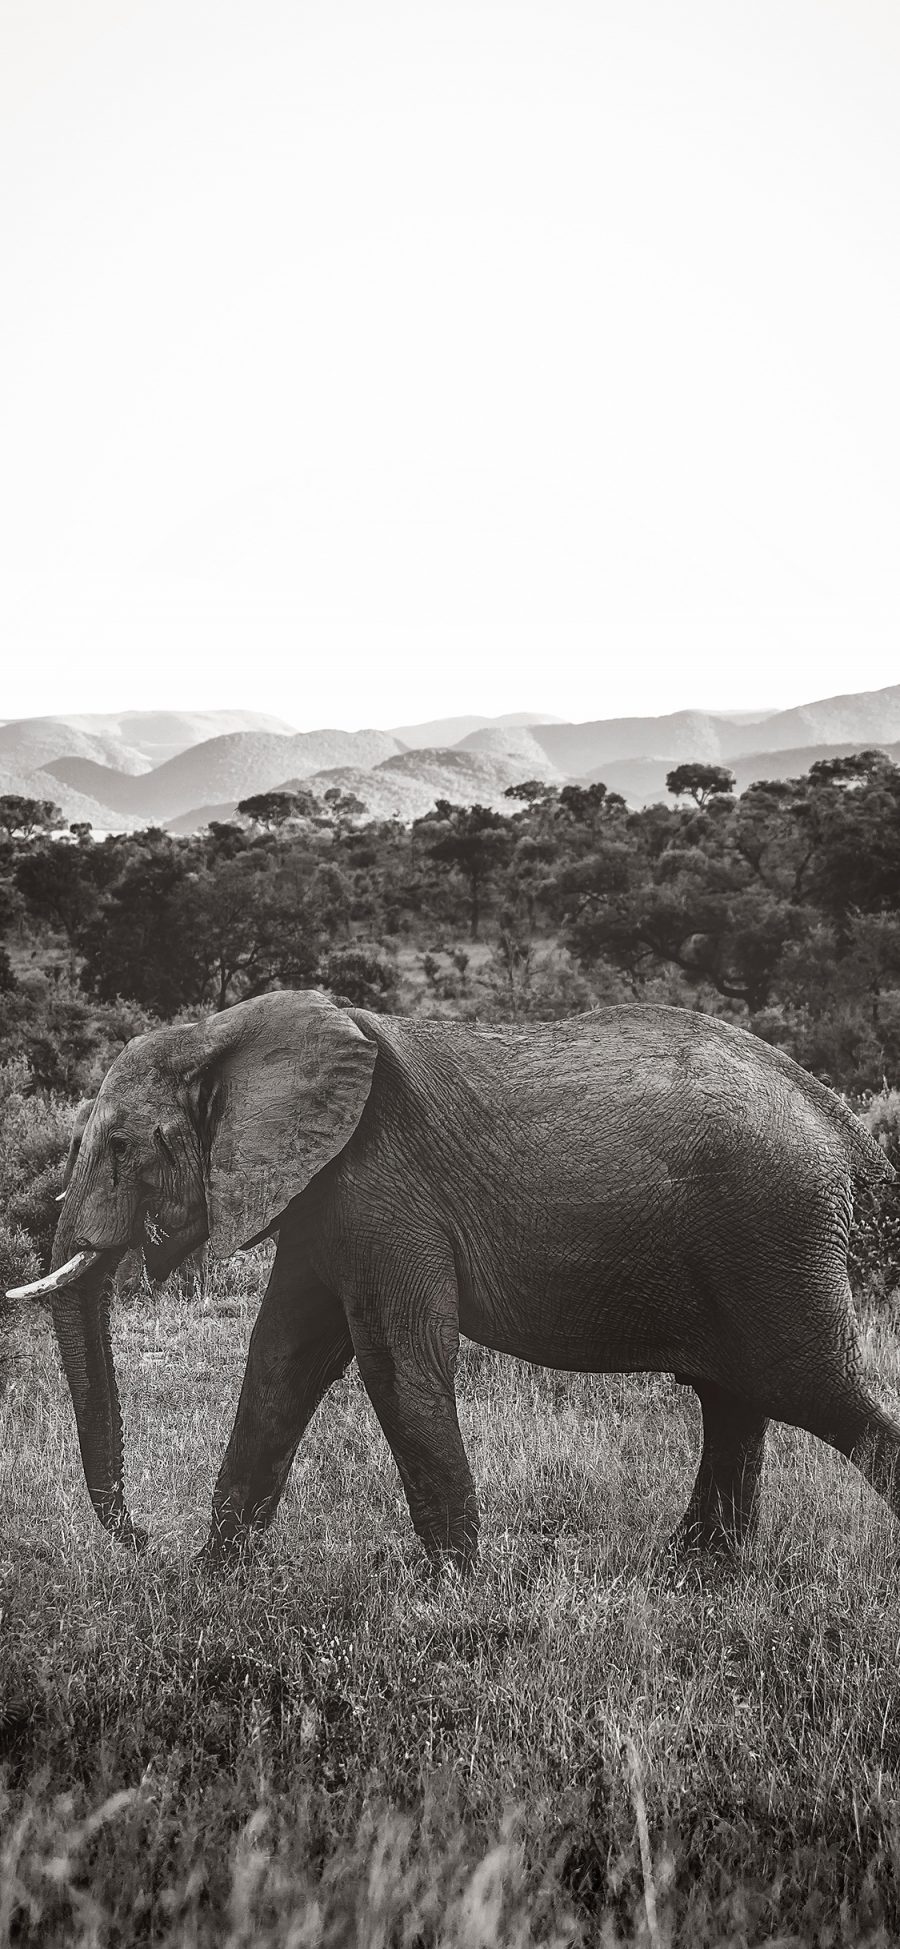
pixel 299 1345
pixel 408 1367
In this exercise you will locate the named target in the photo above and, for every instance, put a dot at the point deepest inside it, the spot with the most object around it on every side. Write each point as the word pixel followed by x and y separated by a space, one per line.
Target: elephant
pixel 637 1189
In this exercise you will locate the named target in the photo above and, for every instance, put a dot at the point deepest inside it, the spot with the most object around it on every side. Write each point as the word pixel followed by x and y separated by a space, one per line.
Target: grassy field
pixel 584 1744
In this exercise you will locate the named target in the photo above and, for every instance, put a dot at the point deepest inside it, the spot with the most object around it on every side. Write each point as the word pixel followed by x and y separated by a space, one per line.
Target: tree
pixel 699 782
pixel 583 803
pixel 341 806
pixel 533 791
pixel 734 941
pixel 142 944
pixel 10 905
pixel 332 895
pixel 856 768
pixel 471 838
pixel 223 839
pixel 853 839
pixel 23 815
pixel 247 934
pixel 530 872
pixel 272 810
pixel 56 885
pixel 361 976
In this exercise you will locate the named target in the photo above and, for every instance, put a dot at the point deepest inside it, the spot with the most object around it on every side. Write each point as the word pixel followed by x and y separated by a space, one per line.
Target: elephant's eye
pixel 118 1145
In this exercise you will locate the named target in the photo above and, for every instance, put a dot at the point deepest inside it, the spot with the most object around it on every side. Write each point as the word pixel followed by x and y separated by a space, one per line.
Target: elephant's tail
pixel 864 1144
pixel 869 1163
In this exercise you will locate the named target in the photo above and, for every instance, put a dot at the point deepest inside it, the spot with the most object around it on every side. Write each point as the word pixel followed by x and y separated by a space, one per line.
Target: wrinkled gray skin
pixel 129 1272
pixel 640 1189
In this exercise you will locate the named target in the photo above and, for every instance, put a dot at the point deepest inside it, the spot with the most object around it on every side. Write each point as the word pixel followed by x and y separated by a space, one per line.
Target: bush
pixel 34 1207
pixel 18 1259
pixel 66 1041
pixel 34 1137
pixel 361 977
pixel 874 1260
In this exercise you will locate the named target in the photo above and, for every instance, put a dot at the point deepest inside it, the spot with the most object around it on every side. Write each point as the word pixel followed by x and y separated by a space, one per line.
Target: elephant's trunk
pixel 81 1322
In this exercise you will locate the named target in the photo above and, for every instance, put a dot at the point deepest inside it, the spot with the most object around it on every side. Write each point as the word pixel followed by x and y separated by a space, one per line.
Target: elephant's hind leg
pixel 853 1422
pixel 408 1375
pixel 816 1380
pixel 723 1508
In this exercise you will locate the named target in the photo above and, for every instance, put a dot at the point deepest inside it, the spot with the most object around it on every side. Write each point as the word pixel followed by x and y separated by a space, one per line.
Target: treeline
pixel 779 909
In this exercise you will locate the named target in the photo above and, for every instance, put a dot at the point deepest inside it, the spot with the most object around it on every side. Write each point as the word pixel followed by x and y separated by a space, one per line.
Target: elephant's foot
pixel 231 1543
pixel 215 1557
pixel 129 1535
pixel 445 1566
pixel 705 1534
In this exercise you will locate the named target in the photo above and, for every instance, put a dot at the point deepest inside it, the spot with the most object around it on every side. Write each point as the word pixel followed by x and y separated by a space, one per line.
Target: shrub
pixel 875 1239
pixel 66 1041
pixel 34 1207
pixel 362 977
pixel 34 1138
pixel 18 1258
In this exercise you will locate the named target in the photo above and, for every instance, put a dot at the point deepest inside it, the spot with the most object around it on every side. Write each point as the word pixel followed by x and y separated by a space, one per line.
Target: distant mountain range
pixel 439 731
pixel 180 769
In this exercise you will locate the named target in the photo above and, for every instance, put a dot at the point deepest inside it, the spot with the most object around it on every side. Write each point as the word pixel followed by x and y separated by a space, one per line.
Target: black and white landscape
pixel 449 974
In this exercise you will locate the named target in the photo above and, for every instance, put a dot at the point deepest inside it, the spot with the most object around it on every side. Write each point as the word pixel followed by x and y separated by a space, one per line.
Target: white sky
pixel 362 360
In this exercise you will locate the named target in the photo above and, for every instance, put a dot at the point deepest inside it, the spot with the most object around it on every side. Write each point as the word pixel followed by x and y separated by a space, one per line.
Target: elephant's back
pixel 668 1079
pixel 605 1180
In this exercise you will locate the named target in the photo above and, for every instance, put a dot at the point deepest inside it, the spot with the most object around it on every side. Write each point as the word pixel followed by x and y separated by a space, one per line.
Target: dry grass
pixel 583 1745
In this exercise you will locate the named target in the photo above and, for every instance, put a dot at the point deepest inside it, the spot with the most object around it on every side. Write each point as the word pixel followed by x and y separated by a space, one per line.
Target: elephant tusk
pixel 54 1282
pixel 59 1197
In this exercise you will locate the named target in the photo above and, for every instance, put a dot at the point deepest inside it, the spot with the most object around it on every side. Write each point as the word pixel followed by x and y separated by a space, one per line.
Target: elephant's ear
pixel 284 1081
pixel 82 1119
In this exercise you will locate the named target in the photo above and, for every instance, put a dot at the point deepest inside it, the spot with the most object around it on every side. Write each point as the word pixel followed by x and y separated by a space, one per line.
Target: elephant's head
pixel 205 1131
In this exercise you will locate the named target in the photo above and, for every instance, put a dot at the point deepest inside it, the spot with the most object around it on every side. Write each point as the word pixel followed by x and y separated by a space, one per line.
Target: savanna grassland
pixel 586 1743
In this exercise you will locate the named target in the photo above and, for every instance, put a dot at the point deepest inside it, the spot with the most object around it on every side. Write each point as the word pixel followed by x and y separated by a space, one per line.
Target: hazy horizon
pixel 412 719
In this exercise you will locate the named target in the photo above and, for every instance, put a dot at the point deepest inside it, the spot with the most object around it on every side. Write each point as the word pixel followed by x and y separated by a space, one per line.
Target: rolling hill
pixel 29 742
pixel 642 781
pixel 75 806
pixel 101 767
pixel 159 735
pixel 404 786
pixel 519 747
pixel 857 719
pixel 860 718
pixel 577 749
pixel 452 730
pixel 224 768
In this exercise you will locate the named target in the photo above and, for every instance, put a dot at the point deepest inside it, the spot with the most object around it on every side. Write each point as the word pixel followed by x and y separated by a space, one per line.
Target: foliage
pixel 780 908
pixel 362 977
pixel 470 838
pixel 272 810
pixel 699 782
pixel 67 1041
pixel 24 815
pixel 34 1139
pixel 874 1260
pixel 19 1259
